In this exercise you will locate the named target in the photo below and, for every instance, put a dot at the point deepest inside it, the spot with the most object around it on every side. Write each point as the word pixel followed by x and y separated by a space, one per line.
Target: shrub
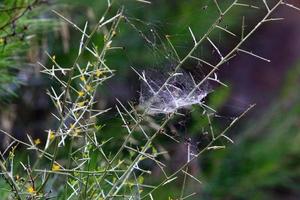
pixel 78 161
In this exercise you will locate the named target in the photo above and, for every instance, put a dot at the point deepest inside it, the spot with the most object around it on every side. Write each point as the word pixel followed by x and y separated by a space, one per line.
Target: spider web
pixel 180 91
pixel 162 90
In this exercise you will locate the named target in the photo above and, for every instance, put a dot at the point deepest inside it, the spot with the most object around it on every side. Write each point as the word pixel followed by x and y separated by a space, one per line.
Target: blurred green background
pixel 264 161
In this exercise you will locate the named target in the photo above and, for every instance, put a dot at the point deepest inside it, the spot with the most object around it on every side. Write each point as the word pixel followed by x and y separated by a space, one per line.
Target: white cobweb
pixel 161 92
pixel 181 91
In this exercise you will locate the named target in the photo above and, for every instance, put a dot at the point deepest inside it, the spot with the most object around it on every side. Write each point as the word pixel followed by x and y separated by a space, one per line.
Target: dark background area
pixel 264 161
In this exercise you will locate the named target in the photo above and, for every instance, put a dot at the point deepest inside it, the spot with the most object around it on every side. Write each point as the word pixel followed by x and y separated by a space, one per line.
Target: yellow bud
pixel 30 190
pixel 80 104
pixel 88 88
pixel 82 78
pixel 76 132
pixel 80 93
pixel 72 126
pixel 98 73
pixel 51 135
pixel 37 141
pixel 55 167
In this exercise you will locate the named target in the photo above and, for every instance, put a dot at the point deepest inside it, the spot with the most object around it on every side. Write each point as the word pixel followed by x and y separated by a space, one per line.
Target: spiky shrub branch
pixel 112 176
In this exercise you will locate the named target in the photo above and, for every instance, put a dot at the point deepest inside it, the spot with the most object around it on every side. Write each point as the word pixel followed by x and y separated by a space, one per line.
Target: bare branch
pixel 216 48
pixel 254 55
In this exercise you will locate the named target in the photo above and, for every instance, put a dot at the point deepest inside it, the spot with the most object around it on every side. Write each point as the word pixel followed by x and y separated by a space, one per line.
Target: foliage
pixel 80 159
pixel 265 161
pixel 18 27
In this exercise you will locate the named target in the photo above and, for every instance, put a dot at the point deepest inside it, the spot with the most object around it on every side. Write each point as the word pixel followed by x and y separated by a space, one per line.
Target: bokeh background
pixel 264 161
